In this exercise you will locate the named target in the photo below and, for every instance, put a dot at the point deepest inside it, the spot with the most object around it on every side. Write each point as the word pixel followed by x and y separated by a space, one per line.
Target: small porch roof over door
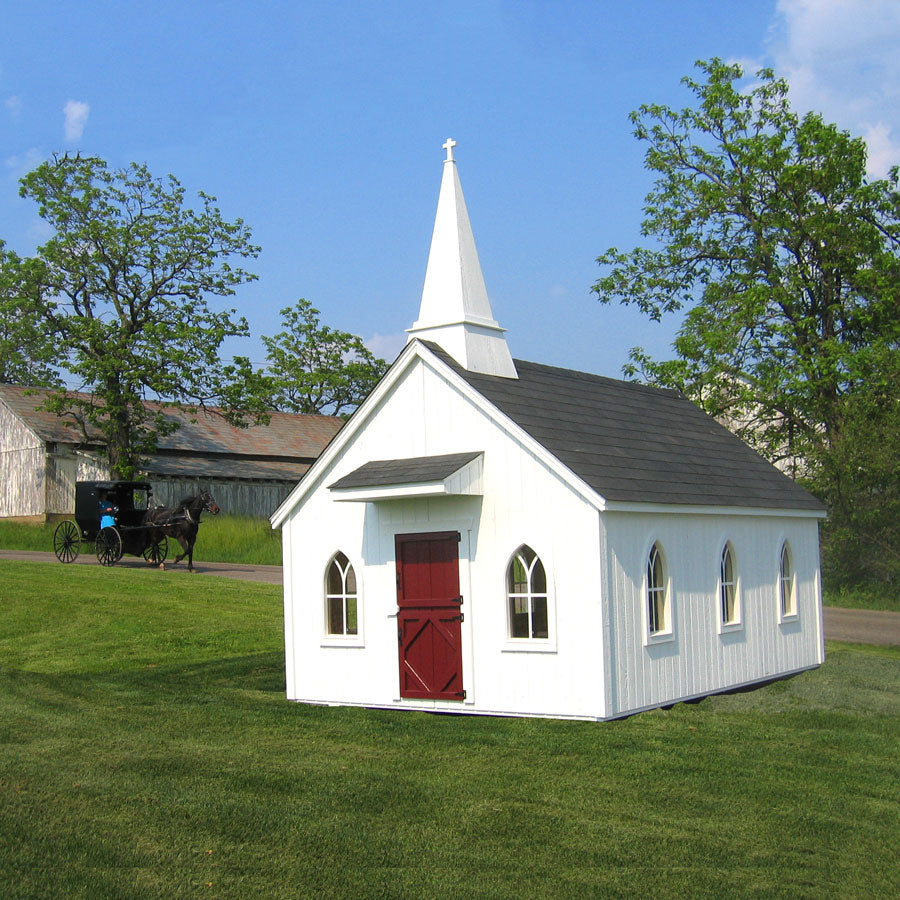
pixel 450 474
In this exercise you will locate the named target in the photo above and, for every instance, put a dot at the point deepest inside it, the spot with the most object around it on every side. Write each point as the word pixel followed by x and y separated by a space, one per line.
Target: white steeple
pixel 455 311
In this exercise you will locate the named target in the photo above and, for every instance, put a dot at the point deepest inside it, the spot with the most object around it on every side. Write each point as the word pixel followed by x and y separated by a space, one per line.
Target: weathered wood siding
pixel 59 483
pixel 65 466
pixel 702 657
pixel 22 469
pixel 91 467
pixel 524 502
pixel 37 479
pixel 241 498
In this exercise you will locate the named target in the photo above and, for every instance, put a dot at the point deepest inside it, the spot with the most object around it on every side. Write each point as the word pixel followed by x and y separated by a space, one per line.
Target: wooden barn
pixel 493 536
pixel 249 471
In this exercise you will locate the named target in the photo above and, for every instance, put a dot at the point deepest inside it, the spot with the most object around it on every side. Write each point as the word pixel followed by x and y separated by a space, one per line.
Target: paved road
pixel 267 574
pixel 860 626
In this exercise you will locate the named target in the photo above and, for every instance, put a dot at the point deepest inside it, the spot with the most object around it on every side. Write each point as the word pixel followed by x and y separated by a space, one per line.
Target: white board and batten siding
pixel 524 502
pixel 702 657
pixel 598 662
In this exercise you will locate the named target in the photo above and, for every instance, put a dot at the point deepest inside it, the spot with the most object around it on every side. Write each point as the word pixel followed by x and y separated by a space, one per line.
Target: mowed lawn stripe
pixel 147 750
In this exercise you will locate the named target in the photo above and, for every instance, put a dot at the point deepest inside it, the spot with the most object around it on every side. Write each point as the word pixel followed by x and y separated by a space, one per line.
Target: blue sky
pixel 321 124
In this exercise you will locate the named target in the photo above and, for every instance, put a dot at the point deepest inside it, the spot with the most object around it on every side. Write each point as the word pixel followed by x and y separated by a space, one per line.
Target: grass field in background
pixel 147 750
pixel 863 598
pixel 14 536
pixel 223 538
pixel 238 539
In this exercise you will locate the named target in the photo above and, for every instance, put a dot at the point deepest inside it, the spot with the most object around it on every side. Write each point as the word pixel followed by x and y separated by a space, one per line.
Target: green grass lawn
pixel 147 750
pixel 235 539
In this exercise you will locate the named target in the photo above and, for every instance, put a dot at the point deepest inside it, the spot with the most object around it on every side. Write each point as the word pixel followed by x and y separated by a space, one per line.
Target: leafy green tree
pixel 317 369
pixel 122 289
pixel 25 354
pixel 859 478
pixel 784 255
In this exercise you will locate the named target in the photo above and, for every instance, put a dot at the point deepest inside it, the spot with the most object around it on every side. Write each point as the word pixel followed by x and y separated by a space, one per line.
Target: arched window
pixel 340 597
pixel 657 593
pixel 786 587
pixel 526 588
pixel 728 593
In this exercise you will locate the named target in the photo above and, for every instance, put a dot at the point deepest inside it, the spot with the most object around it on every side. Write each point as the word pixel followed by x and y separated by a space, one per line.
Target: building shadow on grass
pixel 144 683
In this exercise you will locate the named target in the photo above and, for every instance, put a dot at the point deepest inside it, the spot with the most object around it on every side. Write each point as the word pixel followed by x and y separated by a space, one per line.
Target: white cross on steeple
pixel 448 145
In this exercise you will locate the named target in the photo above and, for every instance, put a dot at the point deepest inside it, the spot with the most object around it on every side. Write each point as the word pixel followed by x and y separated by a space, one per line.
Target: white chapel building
pixel 487 535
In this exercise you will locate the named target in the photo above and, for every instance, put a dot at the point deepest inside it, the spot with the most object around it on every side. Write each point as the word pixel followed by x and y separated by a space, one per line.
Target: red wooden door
pixel 429 616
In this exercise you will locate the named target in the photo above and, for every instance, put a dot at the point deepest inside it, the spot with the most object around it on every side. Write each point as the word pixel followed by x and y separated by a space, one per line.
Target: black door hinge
pixel 460 618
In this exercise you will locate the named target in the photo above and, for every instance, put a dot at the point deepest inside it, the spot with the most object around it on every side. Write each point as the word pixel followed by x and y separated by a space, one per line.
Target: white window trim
pixel 666 634
pixel 342 640
pixel 785 618
pixel 738 623
pixel 529 644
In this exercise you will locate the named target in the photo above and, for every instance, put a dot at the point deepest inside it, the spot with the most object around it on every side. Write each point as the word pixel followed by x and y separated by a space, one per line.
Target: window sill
pixel 730 627
pixel 334 640
pixel 529 645
pixel 660 637
pixel 789 618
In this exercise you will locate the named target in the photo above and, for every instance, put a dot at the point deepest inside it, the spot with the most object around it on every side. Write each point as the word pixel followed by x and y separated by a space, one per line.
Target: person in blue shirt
pixel 107 511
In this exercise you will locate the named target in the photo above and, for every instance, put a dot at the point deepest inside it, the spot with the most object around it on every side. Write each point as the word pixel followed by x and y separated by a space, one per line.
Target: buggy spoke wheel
pixel 67 541
pixel 156 551
pixel 109 546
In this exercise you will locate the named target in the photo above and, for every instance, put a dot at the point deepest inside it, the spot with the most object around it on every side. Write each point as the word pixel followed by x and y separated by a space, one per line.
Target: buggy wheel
pixel 109 546
pixel 156 551
pixel 67 541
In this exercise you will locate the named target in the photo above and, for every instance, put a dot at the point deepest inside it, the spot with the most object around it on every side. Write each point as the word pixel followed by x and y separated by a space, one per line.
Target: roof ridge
pixel 593 376
pixel 653 445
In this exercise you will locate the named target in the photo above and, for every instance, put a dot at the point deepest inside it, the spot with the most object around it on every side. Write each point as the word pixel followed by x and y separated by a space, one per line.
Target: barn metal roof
pixel 287 437
pixel 415 470
pixel 635 443
pixel 227 468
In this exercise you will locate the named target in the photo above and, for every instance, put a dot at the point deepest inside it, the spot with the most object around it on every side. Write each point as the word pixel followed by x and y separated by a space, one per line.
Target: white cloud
pixel 387 346
pixel 39 231
pixel 883 152
pixel 76 114
pixel 841 59
pixel 21 163
pixel 13 105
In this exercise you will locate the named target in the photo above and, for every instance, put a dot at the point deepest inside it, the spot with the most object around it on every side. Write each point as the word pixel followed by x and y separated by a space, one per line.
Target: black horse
pixel 181 522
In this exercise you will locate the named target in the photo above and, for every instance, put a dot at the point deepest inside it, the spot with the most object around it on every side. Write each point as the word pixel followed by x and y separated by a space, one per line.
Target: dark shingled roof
pixel 415 470
pixel 635 443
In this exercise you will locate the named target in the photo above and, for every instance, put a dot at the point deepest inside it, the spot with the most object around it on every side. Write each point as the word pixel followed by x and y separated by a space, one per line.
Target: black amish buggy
pixel 113 516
